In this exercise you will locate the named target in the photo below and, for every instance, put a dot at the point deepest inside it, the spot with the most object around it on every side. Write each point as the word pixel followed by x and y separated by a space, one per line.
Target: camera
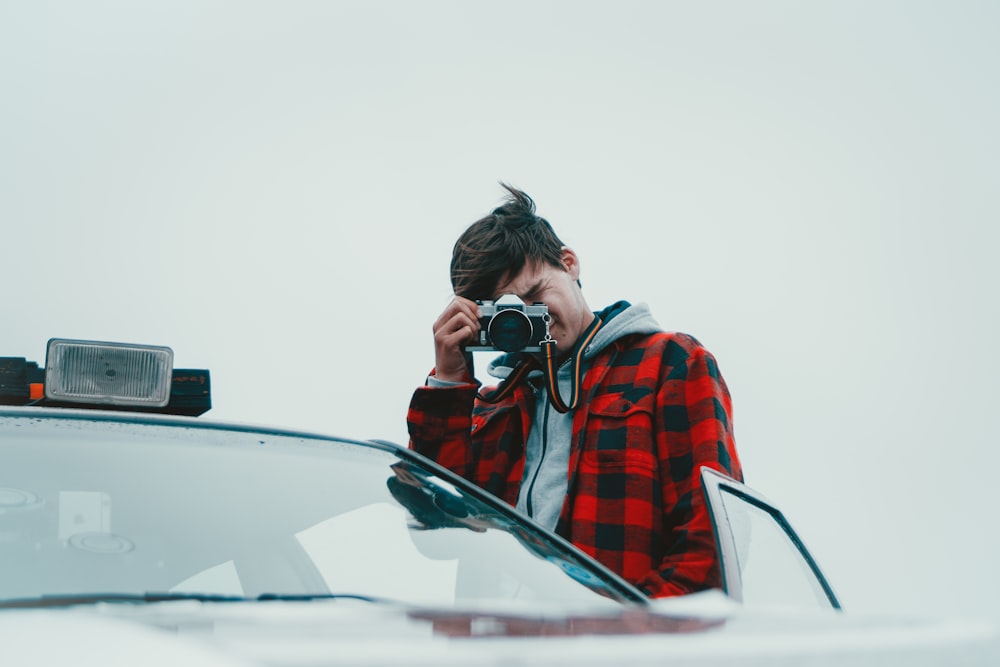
pixel 510 325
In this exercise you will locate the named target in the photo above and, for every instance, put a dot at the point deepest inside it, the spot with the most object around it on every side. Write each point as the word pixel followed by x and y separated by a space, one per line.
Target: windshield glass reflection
pixel 101 507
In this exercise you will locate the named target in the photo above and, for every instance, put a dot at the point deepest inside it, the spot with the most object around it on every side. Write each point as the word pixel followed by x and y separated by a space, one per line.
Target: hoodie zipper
pixel 529 506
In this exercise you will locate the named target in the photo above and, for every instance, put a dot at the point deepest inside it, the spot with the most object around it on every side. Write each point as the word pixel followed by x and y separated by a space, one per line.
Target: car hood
pixel 705 629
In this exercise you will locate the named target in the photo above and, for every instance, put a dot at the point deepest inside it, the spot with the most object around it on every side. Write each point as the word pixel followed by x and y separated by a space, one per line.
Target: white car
pixel 135 538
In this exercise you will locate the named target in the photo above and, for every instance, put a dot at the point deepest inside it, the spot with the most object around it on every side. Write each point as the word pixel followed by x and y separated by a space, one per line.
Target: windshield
pixel 91 506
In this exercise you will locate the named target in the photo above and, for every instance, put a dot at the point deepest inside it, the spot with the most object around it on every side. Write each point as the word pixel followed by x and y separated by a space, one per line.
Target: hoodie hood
pixel 621 319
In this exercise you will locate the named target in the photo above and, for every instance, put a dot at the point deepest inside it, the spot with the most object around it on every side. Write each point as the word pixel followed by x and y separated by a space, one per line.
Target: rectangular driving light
pixel 123 374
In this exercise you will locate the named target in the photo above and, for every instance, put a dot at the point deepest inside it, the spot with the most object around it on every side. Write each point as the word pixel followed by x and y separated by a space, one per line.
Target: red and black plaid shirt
pixel 654 410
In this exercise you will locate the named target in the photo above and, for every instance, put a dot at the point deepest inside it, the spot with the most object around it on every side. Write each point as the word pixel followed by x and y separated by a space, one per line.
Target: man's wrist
pixel 435 379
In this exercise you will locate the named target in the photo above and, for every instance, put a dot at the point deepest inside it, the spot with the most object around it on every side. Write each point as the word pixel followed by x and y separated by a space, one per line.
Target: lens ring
pixel 510 330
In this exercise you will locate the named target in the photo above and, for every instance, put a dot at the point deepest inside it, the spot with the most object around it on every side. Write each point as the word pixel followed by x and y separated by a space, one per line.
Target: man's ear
pixel 571 263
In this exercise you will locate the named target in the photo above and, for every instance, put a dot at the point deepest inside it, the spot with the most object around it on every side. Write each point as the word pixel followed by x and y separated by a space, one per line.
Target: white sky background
pixel 273 189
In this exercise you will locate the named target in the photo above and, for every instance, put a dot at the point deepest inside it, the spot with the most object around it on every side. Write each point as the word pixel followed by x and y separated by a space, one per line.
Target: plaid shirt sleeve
pixel 481 442
pixel 439 421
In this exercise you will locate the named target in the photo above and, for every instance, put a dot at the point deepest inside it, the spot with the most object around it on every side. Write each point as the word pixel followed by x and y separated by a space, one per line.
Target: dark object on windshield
pixel 430 510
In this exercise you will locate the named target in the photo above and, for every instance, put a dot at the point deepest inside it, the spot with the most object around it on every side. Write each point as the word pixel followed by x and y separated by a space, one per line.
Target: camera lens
pixel 510 330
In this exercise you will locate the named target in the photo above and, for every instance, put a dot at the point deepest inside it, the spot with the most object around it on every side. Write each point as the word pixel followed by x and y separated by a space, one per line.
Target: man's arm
pixel 440 416
pixel 483 444
pixel 440 424
pixel 457 326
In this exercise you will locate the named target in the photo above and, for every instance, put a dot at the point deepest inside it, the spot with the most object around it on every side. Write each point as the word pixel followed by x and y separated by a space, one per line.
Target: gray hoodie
pixel 546 465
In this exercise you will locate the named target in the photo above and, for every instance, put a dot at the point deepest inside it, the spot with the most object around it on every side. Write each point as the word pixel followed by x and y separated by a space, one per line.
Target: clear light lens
pixel 81 371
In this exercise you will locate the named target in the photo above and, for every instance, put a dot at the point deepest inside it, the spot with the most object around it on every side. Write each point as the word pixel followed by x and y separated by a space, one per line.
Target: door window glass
pixel 773 568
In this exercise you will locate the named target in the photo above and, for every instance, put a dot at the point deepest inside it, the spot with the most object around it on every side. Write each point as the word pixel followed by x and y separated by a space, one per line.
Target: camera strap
pixel 576 360
pixel 550 368
pixel 521 370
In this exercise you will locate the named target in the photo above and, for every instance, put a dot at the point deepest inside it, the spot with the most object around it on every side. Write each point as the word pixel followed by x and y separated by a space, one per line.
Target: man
pixel 610 460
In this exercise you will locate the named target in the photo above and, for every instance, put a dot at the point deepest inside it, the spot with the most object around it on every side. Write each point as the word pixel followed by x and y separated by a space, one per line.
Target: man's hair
pixel 498 246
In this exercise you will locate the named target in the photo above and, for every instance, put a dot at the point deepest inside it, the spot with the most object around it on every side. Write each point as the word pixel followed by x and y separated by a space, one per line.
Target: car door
pixel 764 562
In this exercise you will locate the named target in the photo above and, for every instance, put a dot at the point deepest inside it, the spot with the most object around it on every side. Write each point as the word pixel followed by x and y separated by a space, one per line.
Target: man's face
pixel 558 289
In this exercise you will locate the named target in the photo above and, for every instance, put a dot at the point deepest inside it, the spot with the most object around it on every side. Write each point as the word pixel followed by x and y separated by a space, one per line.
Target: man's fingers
pixel 457 326
pixel 458 329
pixel 459 306
pixel 456 318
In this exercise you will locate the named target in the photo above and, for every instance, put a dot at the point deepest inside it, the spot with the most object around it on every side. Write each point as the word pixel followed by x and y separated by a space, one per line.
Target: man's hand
pixel 457 326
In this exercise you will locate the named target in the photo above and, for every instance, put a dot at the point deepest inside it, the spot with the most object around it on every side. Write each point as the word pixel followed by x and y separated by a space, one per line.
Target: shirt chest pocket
pixel 620 432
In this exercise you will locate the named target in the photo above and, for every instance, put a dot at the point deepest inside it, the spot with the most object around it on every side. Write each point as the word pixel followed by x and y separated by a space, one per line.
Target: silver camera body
pixel 510 325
